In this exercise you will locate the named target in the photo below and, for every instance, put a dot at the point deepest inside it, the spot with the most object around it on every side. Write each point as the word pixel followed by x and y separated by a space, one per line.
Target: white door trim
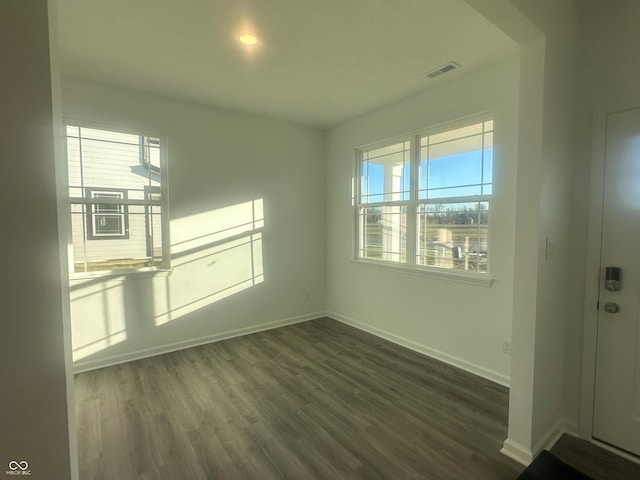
pixel 592 273
pixel 592 264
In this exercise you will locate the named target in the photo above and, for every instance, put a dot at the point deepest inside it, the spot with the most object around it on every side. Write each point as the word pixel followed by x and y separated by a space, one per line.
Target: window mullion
pixel 164 203
pixel 356 192
pixel 412 207
pixel 482 160
pixel 85 208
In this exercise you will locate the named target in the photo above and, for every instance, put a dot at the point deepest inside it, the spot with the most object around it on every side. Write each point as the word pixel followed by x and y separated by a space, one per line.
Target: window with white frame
pixel 107 220
pixel 118 205
pixel 424 200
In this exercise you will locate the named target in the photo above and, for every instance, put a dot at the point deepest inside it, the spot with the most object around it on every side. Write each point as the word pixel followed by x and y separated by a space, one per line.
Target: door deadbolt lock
pixel 612 279
pixel 611 307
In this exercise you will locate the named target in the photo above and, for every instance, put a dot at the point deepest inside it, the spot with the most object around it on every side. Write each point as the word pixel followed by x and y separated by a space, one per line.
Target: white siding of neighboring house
pixel 110 160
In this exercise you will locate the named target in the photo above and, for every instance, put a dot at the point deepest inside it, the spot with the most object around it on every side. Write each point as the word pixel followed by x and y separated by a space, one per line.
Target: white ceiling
pixel 318 63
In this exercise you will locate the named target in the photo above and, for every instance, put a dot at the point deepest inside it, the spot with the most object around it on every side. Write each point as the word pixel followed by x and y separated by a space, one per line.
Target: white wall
pixel 527 244
pixel 546 32
pixel 558 21
pixel 224 169
pixel 33 381
pixel 541 289
pixel 461 323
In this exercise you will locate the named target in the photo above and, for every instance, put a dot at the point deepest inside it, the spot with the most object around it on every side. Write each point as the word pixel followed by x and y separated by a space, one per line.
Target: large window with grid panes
pixel 424 200
pixel 117 182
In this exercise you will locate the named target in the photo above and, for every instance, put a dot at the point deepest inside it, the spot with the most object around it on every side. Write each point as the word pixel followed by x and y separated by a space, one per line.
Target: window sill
pixel 481 279
pixel 131 272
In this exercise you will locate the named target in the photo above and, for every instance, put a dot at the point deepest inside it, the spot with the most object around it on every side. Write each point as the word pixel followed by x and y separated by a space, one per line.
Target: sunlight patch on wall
pixel 97 310
pixel 215 254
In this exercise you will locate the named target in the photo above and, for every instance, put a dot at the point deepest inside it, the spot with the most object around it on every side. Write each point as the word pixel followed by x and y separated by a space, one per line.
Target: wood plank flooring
pixel 594 461
pixel 316 400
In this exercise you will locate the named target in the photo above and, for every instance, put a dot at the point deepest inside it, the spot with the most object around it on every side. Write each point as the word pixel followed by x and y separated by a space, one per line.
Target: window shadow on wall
pixel 106 326
pixel 215 254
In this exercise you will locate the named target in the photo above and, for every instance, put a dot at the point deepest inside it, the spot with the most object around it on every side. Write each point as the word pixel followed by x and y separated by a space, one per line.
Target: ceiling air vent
pixel 447 67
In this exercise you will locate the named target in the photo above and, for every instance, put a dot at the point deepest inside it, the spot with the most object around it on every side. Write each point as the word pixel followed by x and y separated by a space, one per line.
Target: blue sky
pixel 442 173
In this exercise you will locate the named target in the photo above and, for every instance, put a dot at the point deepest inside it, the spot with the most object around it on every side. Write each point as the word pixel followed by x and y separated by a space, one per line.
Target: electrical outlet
pixel 506 346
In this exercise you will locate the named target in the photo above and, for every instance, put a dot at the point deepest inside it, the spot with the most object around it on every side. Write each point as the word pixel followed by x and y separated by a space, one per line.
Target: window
pixel 116 191
pixel 107 220
pixel 424 200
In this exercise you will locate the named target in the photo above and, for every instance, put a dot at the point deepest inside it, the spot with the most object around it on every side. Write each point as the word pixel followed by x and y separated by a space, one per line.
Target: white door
pixel 617 386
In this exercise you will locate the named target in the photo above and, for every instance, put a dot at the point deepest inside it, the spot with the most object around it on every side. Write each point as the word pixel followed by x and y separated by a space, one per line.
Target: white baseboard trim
pixel 549 439
pixel 496 377
pixel 517 452
pixel 85 366
pixel 525 456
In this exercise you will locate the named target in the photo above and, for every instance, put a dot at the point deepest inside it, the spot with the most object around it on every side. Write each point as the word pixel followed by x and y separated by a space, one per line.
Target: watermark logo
pixel 18 468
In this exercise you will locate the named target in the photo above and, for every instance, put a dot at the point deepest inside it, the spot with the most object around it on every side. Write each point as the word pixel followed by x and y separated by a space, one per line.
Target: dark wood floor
pixel 598 463
pixel 317 400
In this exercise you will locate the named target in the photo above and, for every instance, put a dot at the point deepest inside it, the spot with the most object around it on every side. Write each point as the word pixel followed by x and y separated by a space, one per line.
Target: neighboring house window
pixel 118 200
pixel 424 200
pixel 107 220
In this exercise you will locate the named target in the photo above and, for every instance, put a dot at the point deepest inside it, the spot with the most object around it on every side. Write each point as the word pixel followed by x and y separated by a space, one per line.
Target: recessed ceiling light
pixel 248 39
